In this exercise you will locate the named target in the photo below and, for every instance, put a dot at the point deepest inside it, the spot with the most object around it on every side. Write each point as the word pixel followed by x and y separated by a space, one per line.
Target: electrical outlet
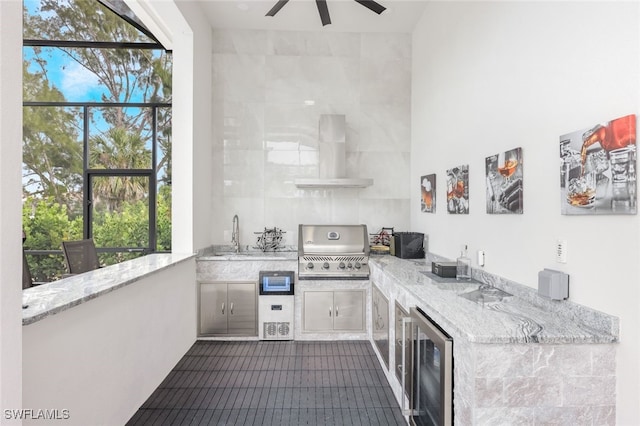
pixel 561 251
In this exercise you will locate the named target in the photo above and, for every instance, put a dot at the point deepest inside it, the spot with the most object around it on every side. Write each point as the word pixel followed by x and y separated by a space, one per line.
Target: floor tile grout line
pixel 301 376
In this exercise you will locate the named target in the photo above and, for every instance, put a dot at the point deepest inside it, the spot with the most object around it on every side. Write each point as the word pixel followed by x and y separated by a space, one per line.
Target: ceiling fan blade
pixel 373 6
pixel 324 12
pixel 276 8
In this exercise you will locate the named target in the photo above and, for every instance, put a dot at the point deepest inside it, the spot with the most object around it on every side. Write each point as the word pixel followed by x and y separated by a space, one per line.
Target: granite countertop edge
pixel 49 299
pixel 248 256
pixel 511 320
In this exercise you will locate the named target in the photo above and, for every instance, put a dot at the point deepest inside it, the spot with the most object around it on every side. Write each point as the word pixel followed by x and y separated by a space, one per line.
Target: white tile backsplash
pixel 266 136
pixel 296 79
pixel 252 42
pixel 243 125
pixel 385 45
pixel 385 80
pixel 382 125
pixel 248 69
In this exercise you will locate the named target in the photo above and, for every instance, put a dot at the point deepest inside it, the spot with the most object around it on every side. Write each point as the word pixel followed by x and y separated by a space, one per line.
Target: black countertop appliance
pixel 408 245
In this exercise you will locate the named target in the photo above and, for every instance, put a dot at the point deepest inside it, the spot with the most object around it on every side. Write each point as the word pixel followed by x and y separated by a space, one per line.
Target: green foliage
pixel 119 149
pixel 53 148
pixel 125 73
pixel 46 224
pixel 127 228
pixel 163 212
pixel 52 155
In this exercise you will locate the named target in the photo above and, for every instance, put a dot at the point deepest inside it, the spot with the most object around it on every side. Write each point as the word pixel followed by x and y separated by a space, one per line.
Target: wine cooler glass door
pixel 432 374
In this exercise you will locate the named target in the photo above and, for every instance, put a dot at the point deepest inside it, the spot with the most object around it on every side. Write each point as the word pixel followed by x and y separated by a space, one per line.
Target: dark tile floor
pixel 273 383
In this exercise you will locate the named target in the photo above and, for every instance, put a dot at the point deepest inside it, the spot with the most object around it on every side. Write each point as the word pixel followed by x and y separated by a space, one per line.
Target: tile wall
pixel 269 89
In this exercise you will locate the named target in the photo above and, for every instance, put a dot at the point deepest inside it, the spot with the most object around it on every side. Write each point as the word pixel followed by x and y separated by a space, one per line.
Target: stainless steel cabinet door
pixel 242 309
pixel 349 310
pixel 317 311
pixel 380 322
pixel 213 308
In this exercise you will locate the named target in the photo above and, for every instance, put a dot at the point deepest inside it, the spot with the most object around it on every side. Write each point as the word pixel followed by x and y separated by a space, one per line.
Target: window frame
pixel 89 173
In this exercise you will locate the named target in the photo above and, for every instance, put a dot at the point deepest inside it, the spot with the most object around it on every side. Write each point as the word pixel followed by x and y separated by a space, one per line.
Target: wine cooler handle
pixel 407 411
pixel 231 308
pixel 222 308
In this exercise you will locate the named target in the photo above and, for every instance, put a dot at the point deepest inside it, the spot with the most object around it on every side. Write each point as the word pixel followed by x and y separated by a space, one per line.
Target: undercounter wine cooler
pixel 431 396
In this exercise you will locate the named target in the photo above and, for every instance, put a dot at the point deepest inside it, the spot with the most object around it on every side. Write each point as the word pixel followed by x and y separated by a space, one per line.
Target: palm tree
pixel 119 149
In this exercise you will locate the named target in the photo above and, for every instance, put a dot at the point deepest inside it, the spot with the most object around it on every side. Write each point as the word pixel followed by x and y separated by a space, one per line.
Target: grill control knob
pixel 357 265
pixel 341 265
pixel 349 265
pixel 325 265
pixel 309 265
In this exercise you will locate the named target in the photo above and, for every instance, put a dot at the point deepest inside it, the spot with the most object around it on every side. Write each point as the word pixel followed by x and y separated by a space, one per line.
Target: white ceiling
pixel 302 15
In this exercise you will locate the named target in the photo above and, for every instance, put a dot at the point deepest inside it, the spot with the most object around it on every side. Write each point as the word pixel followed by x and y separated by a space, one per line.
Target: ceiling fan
pixel 323 10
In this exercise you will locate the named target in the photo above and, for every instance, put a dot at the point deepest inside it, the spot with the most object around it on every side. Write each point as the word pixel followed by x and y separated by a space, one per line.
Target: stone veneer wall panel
pixel 562 384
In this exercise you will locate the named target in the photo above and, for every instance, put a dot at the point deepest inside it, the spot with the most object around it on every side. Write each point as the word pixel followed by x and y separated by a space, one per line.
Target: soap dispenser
pixel 463 266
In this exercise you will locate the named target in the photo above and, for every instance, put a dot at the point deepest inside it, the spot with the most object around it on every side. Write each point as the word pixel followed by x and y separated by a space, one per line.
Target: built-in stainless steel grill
pixel 333 252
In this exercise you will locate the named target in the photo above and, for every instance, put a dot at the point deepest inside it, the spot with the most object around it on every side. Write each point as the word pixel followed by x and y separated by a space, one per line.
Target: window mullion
pixel 87 214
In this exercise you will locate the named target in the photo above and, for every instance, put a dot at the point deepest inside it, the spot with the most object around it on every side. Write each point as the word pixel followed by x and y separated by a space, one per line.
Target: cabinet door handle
pixel 329 310
pixel 403 370
pixel 336 311
pixel 222 308
pixel 231 308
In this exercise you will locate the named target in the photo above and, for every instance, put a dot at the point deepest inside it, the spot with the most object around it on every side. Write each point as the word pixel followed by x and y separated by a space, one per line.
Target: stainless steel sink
pixel 486 294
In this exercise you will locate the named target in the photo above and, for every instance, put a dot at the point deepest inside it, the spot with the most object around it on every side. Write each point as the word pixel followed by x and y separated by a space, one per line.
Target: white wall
pixel 192 146
pixel 102 359
pixel 266 136
pixel 10 207
pixel 181 26
pixel 492 76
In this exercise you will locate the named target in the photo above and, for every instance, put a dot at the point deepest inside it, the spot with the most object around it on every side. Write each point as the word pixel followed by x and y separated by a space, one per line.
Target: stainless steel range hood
pixel 332 153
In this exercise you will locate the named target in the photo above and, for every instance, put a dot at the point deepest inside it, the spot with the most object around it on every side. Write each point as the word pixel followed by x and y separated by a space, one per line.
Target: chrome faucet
pixel 235 234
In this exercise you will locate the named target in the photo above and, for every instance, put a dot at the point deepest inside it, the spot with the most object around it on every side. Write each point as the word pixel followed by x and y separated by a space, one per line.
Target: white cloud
pixel 77 82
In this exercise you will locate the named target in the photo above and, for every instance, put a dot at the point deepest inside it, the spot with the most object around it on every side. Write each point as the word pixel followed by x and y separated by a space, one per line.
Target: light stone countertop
pixel 57 296
pixel 250 256
pixel 492 311
pixel 487 314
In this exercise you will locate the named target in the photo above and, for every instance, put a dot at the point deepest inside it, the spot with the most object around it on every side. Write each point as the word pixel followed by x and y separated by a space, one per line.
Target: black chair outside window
pixel 80 256
pixel 27 280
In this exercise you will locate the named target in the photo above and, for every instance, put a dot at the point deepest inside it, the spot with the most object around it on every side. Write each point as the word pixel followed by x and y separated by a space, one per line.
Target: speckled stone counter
pixel 485 313
pixel 519 359
pixel 225 266
pixel 51 298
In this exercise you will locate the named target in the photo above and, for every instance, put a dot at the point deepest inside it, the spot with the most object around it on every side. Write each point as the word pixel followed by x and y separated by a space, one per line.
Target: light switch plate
pixel 561 251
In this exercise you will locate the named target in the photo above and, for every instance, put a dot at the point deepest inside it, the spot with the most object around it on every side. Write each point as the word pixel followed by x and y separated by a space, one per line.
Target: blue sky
pixel 76 82
pixel 73 80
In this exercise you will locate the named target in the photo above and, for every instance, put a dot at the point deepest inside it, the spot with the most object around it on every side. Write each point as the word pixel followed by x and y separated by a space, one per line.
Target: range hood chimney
pixel 332 153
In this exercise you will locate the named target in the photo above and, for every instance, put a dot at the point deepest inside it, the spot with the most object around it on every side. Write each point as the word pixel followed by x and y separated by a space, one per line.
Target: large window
pixel 97 133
